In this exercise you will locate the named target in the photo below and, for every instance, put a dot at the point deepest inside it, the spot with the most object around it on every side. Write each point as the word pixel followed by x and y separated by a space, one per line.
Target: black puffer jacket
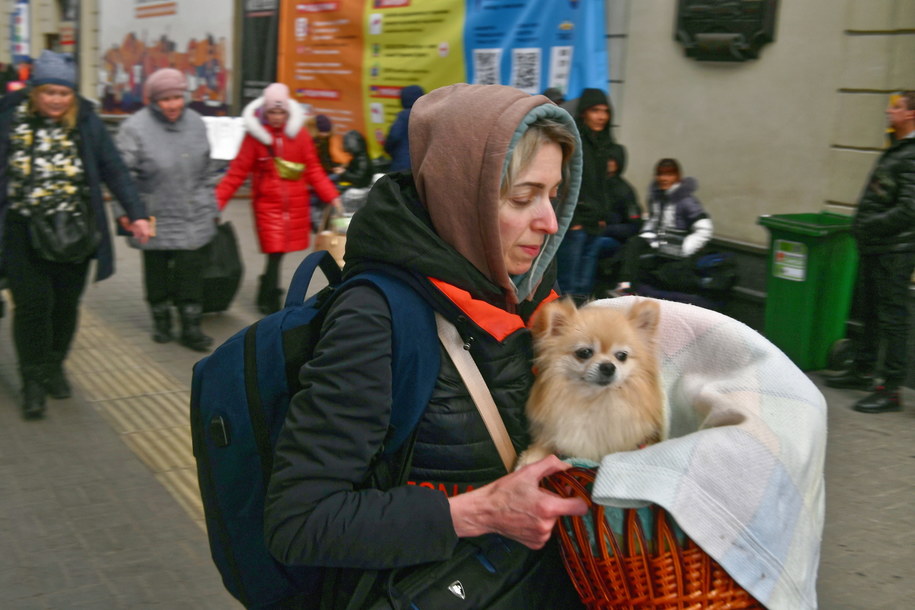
pixel 453 451
pixel 358 172
pixel 885 220
pixel 315 512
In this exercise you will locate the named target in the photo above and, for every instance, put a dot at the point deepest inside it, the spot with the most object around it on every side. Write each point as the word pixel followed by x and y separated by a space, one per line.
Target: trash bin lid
pixel 813 224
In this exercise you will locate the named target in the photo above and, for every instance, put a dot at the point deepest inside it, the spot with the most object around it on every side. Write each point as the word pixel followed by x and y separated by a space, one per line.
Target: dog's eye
pixel 584 353
pixel 621 356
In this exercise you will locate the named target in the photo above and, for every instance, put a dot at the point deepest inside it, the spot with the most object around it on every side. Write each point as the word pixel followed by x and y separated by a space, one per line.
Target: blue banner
pixel 535 45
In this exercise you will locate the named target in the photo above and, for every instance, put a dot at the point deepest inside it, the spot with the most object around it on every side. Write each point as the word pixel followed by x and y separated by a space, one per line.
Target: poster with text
pixel 350 59
pixel 20 37
pixel 137 37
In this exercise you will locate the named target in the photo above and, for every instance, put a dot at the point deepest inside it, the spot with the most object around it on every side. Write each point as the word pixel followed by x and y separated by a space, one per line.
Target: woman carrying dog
pixel 474 228
pixel 55 155
pixel 281 155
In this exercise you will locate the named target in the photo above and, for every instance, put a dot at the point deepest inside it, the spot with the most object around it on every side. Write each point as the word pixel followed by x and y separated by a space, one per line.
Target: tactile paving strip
pixel 145 405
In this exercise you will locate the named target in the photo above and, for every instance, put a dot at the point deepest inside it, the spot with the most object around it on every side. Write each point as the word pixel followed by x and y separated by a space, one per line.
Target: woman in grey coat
pixel 166 148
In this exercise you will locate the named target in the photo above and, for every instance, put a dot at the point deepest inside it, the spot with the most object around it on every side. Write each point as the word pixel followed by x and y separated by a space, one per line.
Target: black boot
pixel 852 379
pixel 33 392
pixel 191 335
pixel 883 400
pixel 162 323
pixel 56 381
pixel 268 297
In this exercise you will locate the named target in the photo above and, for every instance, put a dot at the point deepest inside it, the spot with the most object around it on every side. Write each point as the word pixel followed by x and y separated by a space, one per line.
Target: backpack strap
pixel 416 358
pixel 298 287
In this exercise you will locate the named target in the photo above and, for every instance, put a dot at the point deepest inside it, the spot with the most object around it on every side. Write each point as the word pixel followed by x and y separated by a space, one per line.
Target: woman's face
pixel 527 216
pixel 171 106
pixel 666 179
pixel 276 117
pixel 53 101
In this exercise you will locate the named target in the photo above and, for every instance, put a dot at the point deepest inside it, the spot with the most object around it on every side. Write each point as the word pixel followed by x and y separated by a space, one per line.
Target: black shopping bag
pixel 222 269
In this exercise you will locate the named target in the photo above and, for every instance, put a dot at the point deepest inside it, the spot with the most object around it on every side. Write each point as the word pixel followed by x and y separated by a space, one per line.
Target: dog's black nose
pixel 606 370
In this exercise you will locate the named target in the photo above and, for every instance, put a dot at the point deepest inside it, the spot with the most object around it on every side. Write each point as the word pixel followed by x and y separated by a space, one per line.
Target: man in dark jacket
pixel 884 228
pixel 397 144
pixel 577 257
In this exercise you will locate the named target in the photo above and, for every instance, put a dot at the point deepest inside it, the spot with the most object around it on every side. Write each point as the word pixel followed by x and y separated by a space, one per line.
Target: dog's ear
pixel 645 315
pixel 553 317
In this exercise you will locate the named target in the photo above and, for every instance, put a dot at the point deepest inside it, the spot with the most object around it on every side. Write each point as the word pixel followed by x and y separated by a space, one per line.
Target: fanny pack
pixel 287 170
pixel 489 572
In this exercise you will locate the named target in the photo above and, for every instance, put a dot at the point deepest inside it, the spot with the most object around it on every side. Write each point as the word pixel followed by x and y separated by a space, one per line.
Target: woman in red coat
pixel 275 126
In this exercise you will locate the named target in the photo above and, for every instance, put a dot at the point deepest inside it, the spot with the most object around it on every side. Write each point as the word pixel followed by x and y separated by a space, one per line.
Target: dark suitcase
pixel 222 270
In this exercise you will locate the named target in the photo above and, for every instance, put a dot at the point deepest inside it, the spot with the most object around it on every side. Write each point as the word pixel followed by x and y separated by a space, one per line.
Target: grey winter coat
pixel 170 163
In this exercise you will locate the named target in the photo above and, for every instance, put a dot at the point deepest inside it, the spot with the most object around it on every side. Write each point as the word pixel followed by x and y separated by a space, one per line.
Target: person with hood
pixel 358 172
pixel 397 142
pixel 281 155
pixel 55 155
pixel 165 146
pixel 474 229
pixel 625 218
pixel 678 227
pixel 581 246
pixel 624 221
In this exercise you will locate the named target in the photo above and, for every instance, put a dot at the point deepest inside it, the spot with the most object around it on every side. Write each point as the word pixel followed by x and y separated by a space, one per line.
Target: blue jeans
pixel 577 262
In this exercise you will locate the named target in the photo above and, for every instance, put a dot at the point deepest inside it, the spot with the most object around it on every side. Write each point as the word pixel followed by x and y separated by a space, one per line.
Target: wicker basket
pixel 629 570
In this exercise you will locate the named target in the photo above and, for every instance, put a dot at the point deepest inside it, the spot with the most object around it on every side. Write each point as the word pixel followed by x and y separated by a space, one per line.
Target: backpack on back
pixel 239 397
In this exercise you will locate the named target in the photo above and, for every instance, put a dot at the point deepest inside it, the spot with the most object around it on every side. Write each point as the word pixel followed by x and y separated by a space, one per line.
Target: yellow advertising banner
pixel 350 59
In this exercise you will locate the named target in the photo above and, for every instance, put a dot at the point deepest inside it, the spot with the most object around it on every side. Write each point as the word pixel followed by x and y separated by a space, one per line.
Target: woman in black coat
pixel 55 153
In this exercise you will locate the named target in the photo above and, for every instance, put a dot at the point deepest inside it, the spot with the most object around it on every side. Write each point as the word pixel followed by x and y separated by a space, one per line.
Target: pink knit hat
pixel 276 95
pixel 163 83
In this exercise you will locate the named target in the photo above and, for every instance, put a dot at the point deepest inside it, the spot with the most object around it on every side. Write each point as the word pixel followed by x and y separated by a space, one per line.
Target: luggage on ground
pixel 222 272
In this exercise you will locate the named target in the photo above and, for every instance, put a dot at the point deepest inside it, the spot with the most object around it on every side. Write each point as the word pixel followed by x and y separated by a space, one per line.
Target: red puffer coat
pixel 281 207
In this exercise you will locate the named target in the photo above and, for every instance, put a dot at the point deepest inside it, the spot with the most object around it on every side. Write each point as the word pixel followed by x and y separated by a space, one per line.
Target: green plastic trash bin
pixel 813 263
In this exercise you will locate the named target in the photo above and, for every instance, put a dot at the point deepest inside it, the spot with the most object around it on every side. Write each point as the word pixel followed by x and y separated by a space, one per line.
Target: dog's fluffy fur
pixel 598 386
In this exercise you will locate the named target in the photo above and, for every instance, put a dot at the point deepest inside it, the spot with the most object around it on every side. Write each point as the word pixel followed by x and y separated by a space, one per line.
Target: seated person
pixel 625 218
pixel 674 213
pixel 358 172
pixel 328 144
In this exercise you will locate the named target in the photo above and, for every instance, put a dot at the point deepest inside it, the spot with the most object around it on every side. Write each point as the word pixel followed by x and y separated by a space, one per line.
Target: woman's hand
pixel 140 230
pixel 337 203
pixel 515 506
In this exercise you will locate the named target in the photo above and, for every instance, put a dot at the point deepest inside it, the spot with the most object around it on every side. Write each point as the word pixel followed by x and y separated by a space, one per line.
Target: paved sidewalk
pixel 99 507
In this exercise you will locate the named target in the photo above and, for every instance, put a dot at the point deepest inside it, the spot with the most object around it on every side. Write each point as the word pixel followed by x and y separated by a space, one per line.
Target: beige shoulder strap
pixel 469 372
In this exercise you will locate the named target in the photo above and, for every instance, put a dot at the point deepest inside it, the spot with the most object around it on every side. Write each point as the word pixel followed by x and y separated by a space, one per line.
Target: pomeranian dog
pixel 598 387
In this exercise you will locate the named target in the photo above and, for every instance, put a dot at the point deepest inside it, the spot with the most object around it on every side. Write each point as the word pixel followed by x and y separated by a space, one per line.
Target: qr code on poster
pixel 486 66
pixel 526 70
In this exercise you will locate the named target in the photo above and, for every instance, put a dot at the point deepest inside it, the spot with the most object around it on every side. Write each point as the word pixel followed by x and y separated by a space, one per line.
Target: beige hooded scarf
pixel 460 139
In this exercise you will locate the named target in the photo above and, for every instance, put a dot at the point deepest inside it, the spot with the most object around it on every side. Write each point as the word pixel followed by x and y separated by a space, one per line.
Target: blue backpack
pixel 239 397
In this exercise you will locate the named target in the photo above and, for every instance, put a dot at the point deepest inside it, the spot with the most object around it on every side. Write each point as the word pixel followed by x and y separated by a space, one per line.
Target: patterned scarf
pixel 45 170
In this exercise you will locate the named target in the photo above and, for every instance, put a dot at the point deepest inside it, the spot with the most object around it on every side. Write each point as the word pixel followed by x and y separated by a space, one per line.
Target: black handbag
pixel 65 236
pixel 222 269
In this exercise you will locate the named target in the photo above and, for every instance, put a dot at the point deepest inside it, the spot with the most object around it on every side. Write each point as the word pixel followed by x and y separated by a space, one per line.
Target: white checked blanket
pixel 741 469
